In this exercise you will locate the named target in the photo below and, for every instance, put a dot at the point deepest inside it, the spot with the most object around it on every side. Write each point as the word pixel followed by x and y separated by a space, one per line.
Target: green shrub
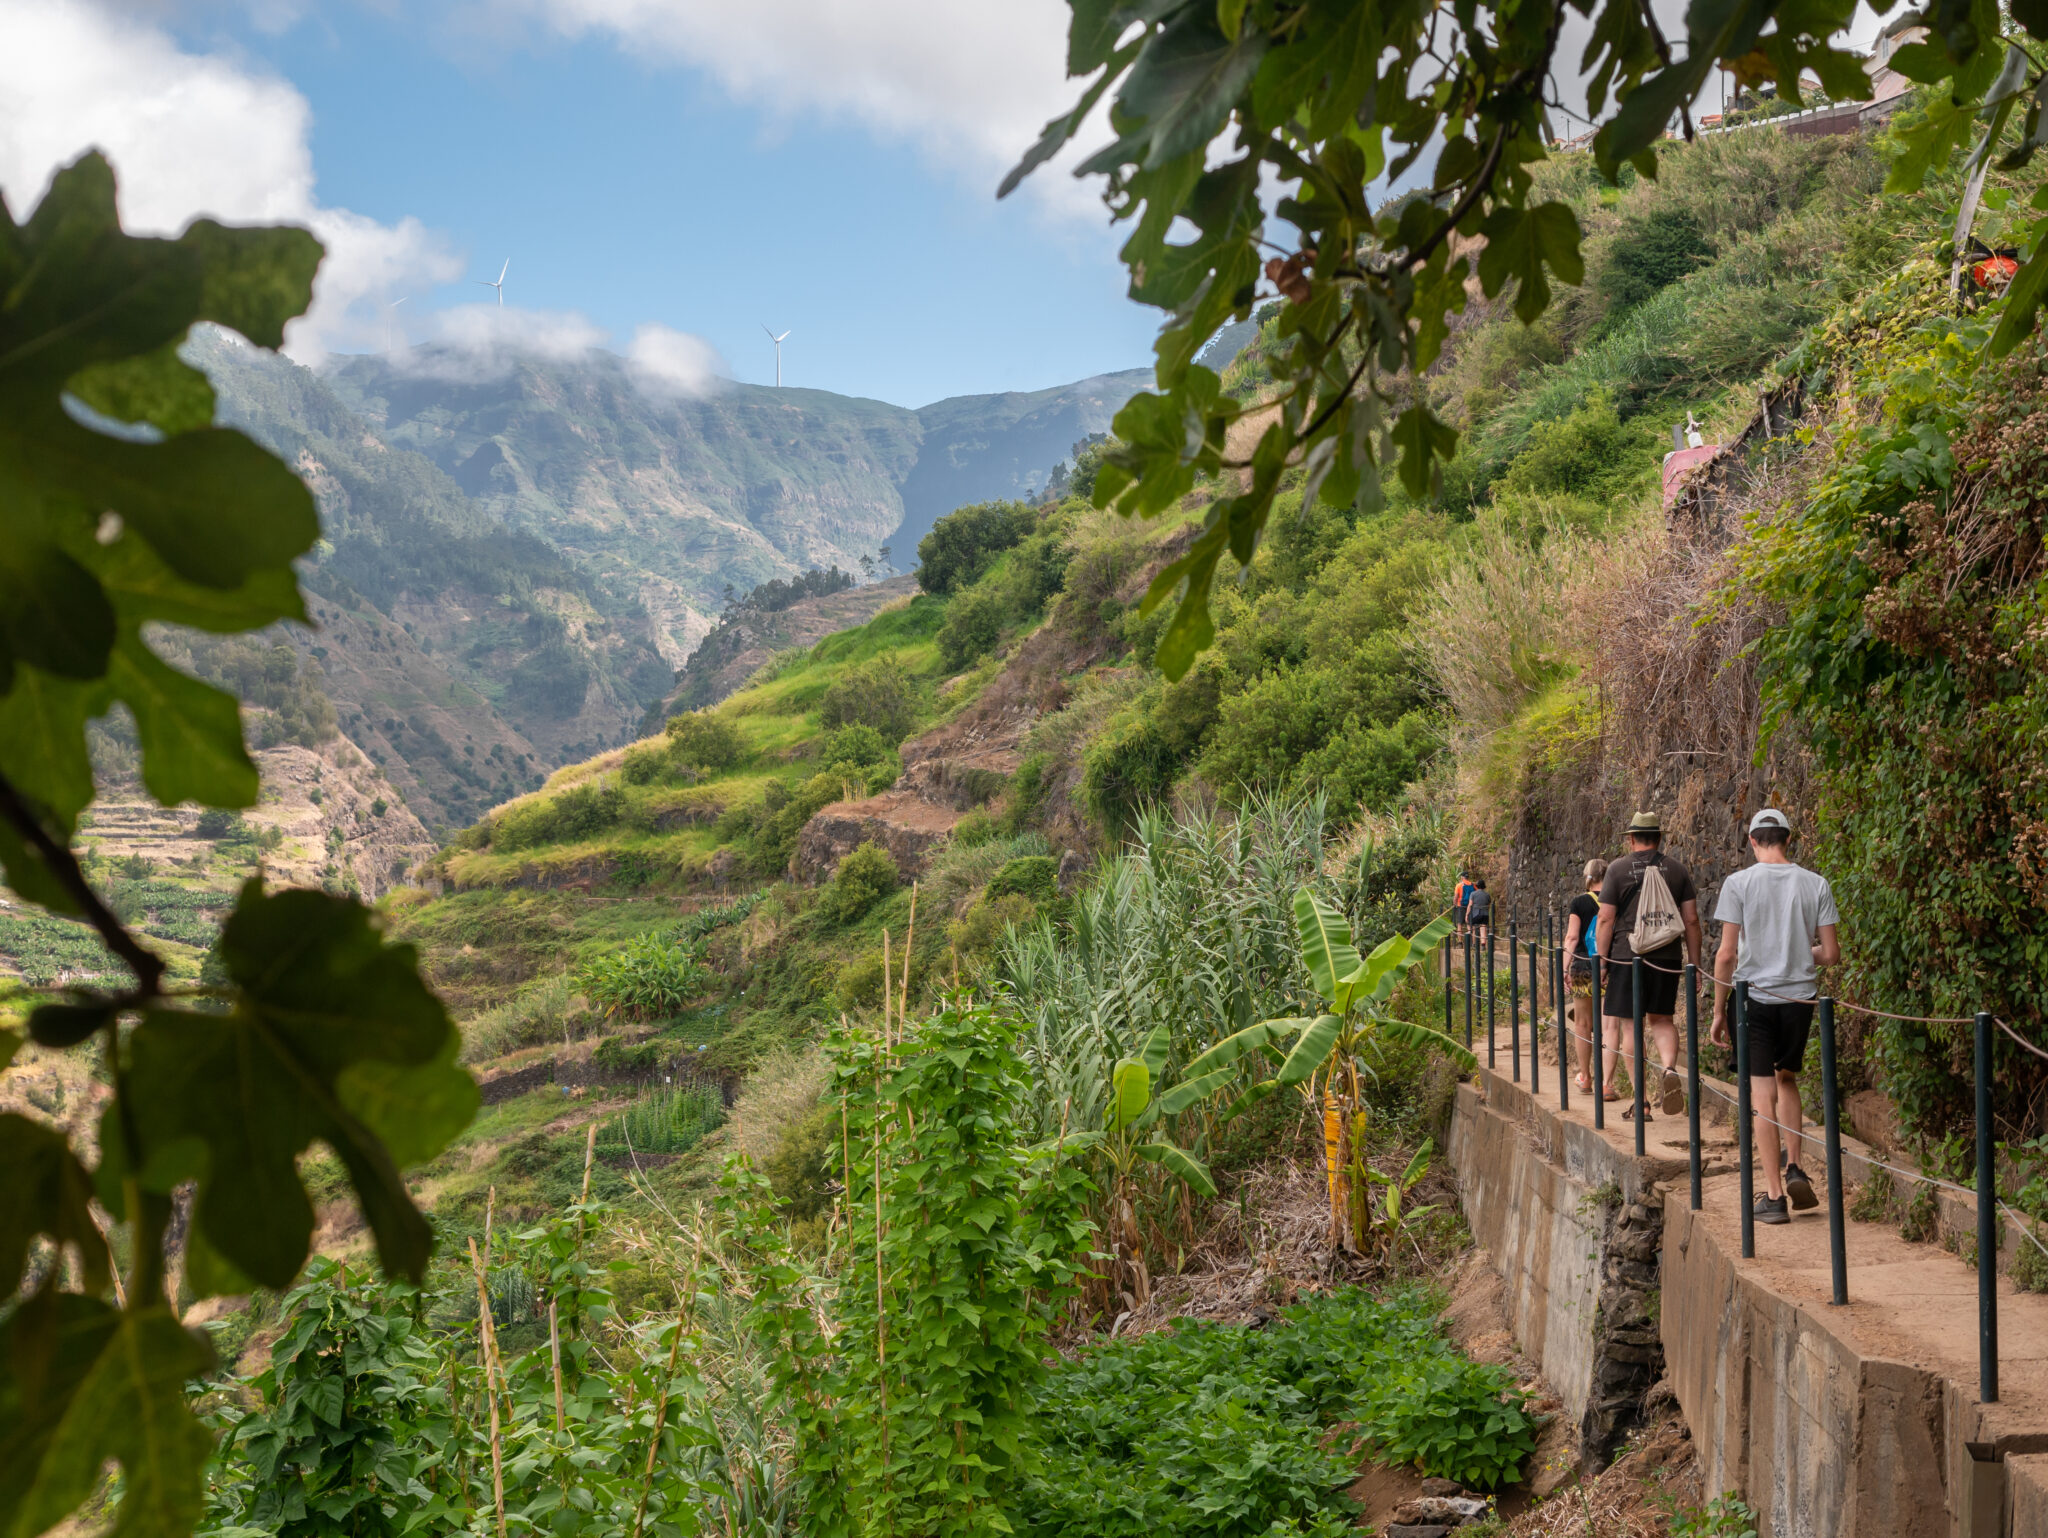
pixel 622 1056
pixel 859 984
pixel 974 624
pixel 963 544
pixel 220 825
pixel 875 694
pixel 1034 876
pixel 975 934
pixel 863 878
pixel 803 1168
pixel 1649 254
pixel 974 830
pixel 771 828
pixel 650 977
pixel 1587 453
pixel 858 748
pixel 700 740
pixel 578 813
pixel 1126 765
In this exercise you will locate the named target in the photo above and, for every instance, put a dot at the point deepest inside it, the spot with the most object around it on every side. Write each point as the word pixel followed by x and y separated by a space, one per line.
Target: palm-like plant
pixel 1132 1132
pixel 1320 1055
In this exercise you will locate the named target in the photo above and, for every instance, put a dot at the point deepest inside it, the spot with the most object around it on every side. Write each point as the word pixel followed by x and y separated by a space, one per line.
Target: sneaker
pixel 1771 1209
pixel 1674 1093
pixel 1799 1188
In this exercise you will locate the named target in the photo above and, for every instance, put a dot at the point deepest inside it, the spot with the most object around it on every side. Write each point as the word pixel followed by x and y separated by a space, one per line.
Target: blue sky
pixel 637 171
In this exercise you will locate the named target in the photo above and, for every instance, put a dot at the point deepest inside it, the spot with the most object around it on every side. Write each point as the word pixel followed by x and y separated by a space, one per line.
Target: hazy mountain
pixel 521 551
pixel 976 447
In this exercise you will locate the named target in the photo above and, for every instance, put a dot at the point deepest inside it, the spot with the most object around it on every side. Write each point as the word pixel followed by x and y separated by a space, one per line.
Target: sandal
pixel 1630 1115
pixel 1582 1084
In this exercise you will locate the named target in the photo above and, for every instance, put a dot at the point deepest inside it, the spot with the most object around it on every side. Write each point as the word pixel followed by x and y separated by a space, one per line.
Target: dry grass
pixel 781 1091
pixel 1629 1499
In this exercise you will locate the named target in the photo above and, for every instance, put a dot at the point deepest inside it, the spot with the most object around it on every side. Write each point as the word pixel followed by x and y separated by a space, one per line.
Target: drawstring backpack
pixel 1657 919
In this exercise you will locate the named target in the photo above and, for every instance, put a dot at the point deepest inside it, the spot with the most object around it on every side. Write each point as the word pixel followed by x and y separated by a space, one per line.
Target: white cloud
pixel 970 82
pixel 669 362
pixel 483 341
pixel 191 135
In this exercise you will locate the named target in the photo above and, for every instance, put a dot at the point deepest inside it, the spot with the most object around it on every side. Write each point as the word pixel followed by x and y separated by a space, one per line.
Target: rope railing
pixel 1557 975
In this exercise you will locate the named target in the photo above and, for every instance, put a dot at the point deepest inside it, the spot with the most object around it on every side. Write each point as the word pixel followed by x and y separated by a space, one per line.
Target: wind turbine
pixel 388 319
pixel 778 341
pixel 500 284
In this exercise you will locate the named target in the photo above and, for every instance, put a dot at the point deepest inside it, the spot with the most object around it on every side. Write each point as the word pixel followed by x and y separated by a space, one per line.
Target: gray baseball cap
pixel 1769 817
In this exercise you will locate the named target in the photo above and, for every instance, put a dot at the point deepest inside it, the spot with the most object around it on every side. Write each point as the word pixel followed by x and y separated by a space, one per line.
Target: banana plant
pixel 1386 1221
pixel 1132 1132
pixel 1319 1055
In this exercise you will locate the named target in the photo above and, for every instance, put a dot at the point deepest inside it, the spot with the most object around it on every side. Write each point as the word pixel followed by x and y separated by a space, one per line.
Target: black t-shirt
pixel 1624 886
pixel 1586 909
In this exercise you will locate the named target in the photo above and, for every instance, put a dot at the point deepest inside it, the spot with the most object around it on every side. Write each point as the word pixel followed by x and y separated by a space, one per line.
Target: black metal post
pixel 1831 1123
pixel 1635 1072
pixel 1564 1036
pixel 1599 1035
pixel 1468 989
pixel 1449 1016
pixel 1535 1026
pixel 1515 1003
pixel 1692 1075
pixel 1490 1059
pixel 1987 1226
pixel 1747 1160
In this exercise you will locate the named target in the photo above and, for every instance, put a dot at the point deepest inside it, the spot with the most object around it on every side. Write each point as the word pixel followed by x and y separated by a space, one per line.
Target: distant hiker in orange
pixel 1461 898
pixel 1581 931
pixel 1648 908
pixel 1778 927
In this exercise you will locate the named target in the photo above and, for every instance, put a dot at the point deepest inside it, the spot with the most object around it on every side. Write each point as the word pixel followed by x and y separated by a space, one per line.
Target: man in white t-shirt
pixel 1778 924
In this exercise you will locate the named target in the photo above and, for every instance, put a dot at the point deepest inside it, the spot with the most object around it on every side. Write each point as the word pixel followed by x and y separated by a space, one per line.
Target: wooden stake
pixel 555 1351
pixel 486 1336
pixel 909 940
pixel 660 1415
pixel 589 1153
pixel 888 987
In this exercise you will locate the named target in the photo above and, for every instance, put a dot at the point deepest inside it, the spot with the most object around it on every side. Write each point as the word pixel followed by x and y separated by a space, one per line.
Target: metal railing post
pixel 1599 1035
pixel 1468 989
pixel 1515 1001
pixel 1987 1225
pixel 1490 1059
pixel 1692 1075
pixel 1449 1017
pixel 1535 1026
pixel 1831 1126
pixel 1635 1071
pixel 1564 1035
pixel 1742 1126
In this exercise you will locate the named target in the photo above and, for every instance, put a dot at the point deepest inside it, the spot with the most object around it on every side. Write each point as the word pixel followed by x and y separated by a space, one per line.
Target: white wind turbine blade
pixel 504 269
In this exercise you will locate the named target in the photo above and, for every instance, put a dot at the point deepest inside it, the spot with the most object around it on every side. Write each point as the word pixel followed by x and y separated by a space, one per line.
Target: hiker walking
pixel 1778 927
pixel 1648 908
pixel 1479 913
pixel 1462 898
pixel 1581 929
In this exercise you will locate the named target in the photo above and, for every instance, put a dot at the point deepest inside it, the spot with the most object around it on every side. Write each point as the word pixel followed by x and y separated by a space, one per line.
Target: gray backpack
pixel 1658 921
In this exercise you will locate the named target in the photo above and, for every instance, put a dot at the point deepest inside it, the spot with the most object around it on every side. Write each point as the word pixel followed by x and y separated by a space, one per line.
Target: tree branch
pixel 145 964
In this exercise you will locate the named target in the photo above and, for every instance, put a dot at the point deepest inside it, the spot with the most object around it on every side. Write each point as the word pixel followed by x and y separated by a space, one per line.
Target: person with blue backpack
pixel 1581 945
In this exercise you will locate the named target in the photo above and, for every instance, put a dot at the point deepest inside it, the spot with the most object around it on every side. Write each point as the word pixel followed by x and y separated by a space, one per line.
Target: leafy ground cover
pixel 1226 1430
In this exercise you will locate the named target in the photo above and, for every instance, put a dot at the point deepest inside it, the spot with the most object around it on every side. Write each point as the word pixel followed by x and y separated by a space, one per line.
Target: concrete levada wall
pixel 1612 1282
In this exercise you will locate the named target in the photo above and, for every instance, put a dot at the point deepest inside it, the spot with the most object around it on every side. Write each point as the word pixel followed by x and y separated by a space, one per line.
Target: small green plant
pixel 1875 1198
pixel 1034 876
pixel 1725 1516
pixel 2029 1268
pixel 622 1056
pixel 1922 1219
pixel 1383 1215
pixel 864 878
pixel 650 977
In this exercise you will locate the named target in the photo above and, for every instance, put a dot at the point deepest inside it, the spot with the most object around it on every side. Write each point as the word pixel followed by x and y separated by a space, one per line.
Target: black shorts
pixel 1660 984
pixel 1777 1036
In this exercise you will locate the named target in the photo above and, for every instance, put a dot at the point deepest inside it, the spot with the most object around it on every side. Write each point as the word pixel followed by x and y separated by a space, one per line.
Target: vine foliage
pixel 121 506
